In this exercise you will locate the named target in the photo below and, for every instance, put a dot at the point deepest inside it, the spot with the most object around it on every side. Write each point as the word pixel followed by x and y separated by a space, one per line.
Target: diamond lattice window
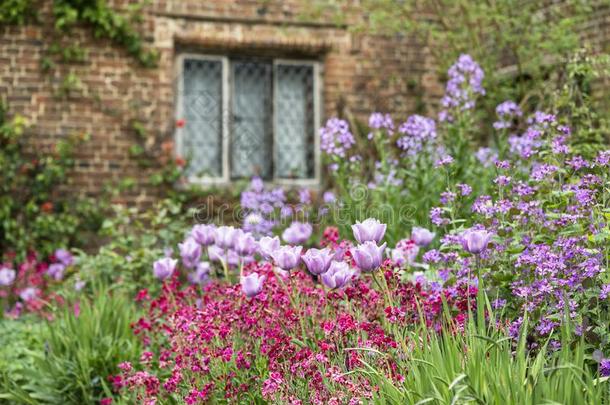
pixel 247 117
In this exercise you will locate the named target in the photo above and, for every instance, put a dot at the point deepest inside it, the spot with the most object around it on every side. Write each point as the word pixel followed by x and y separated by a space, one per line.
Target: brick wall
pixel 360 73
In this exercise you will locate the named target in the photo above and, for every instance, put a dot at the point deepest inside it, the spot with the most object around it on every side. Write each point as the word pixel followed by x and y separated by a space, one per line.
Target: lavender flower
pixel 336 138
pixel 465 82
pixel 329 197
pixel 252 284
pixel 267 245
pixel 418 132
pixel 422 236
pixel 381 121
pixel 287 257
pixel 317 260
pixel 245 245
pixel 163 268
pixel 339 274
pixel 297 233
pixel 203 234
pixel 190 252
pixel 368 256
pixel 475 240
pixel 7 276
pixel 486 156
pixel 56 271
pixel 369 230
pixel 506 112
pixel 201 275
pixel 224 237
pixel 64 257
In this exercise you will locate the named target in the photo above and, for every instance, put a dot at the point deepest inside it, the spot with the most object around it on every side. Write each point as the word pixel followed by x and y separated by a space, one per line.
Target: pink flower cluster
pixel 292 342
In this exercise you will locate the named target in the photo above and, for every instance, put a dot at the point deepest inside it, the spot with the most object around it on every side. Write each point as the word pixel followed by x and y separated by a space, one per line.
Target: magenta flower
pixel 475 240
pixel 245 244
pixel 224 237
pixel 267 245
pixel 163 268
pixel 422 236
pixel 56 271
pixel 252 284
pixel 368 256
pixel 203 234
pixel 369 230
pixel 287 257
pixel 7 276
pixel 339 274
pixel 190 252
pixel 317 260
pixel 64 257
pixel 297 233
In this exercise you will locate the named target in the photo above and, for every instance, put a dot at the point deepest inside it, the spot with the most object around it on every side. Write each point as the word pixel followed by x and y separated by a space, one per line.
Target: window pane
pixel 294 122
pixel 251 133
pixel 202 109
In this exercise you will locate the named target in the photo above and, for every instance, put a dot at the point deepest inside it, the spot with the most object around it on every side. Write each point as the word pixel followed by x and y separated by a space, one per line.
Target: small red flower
pixel 180 162
pixel 180 123
pixel 47 207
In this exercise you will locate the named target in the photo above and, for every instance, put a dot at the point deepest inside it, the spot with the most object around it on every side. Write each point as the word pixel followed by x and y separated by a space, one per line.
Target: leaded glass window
pixel 247 117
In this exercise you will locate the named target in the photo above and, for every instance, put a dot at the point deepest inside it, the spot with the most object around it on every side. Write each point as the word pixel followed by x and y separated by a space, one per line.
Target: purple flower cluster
pixel 418 132
pixel 260 207
pixel 507 112
pixel 464 84
pixel 381 121
pixel 336 138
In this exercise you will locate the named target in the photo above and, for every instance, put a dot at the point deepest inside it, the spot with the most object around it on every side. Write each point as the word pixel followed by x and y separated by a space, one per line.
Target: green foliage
pixel 68 359
pixel 135 240
pixel 533 37
pixel 106 23
pixel 33 215
pixel 485 366
pixel 15 11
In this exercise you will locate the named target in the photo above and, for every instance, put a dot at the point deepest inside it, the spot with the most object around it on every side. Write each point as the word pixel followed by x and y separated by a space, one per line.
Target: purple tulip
pixel 317 260
pixel 268 245
pixel 475 240
pixel 190 252
pixel 339 274
pixel 369 230
pixel 64 257
pixel 368 256
pixel 201 275
pixel 297 233
pixel 7 276
pixel 203 234
pixel 245 244
pixel 224 237
pixel 56 271
pixel 163 268
pixel 422 236
pixel 287 257
pixel 252 284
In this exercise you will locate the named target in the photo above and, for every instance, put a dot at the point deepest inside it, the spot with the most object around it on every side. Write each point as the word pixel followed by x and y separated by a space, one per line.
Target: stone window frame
pixel 225 179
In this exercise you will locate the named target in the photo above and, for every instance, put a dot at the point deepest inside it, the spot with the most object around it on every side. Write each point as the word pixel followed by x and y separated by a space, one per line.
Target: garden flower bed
pixel 434 272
